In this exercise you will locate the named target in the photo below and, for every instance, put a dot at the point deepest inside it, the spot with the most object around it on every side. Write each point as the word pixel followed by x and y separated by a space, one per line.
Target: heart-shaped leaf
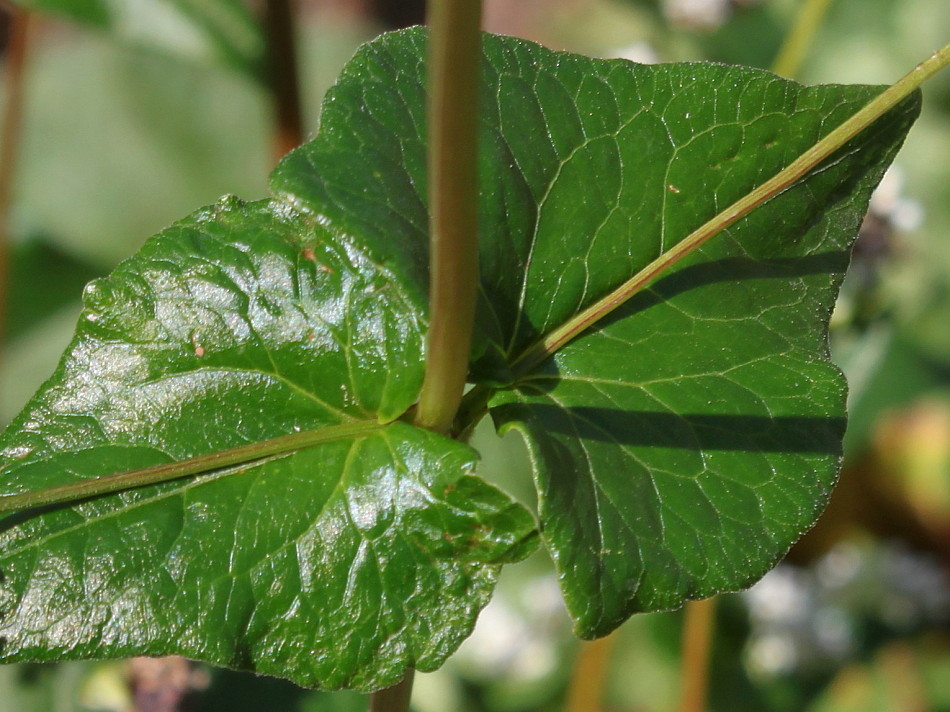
pixel 242 324
pixel 683 444
pixel 680 446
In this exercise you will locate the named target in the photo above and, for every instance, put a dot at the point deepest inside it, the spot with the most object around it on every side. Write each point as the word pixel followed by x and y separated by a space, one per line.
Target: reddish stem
pixel 10 126
pixel 282 75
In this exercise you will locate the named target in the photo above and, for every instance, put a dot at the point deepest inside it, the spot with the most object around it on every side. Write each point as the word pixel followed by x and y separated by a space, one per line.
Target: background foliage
pixel 122 136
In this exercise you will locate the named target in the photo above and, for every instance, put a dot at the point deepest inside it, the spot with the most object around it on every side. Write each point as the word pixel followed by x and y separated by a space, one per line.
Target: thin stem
pixel 473 406
pixel 454 59
pixel 698 628
pixel 282 75
pixel 799 168
pixel 395 698
pixel 10 125
pixel 237 456
pixel 792 52
pixel 590 673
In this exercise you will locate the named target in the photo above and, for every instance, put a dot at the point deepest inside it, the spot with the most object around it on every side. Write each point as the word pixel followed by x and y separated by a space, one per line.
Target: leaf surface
pixel 679 447
pixel 237 325
pixel 683 444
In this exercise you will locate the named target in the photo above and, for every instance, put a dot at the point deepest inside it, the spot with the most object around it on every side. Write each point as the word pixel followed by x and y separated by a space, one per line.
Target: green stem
pixel 452 115
pixel 454 60
pixel 473 406
pixel 237 456
pixel 792 52
pixel 799 168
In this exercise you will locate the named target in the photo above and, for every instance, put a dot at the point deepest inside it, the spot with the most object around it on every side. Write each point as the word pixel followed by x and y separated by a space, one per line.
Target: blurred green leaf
pixel 37 262
pixel 216 31
pixel 42 688
pixel 118 142
pixel 885 370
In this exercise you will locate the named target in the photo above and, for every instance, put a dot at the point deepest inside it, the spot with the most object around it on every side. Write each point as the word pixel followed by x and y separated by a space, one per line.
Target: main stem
pixel 454 59
pixel 452 121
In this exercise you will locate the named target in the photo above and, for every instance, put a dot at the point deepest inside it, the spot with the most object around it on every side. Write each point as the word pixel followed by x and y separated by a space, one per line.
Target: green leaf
pixel 221 31
pixel 679 447
pixel 32 261
pixel 238 325
pixel 165 135
pixel 682 445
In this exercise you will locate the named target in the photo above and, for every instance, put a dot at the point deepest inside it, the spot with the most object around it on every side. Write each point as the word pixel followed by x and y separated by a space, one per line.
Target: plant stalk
pixel 236 456
pixel 698 628
pixel 282 75
pixel 454 60
pixel 10 127
pixel 796 44
pixel 454 56
pixel 393 699
pixel 783 180
pixel 586 690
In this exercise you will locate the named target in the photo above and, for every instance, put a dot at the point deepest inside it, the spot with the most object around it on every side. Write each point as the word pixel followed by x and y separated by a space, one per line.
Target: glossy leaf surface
pixel 220 31
pixel 241 324
pixel 679 447
pixel 683 444
pixel 687 441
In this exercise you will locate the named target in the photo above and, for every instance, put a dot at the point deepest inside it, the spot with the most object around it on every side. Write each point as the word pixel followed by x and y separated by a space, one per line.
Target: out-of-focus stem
pixel 697 643
pixel 10 124
pixel 790 56
pixel 586 690
pixel 395 698
pixel 282 75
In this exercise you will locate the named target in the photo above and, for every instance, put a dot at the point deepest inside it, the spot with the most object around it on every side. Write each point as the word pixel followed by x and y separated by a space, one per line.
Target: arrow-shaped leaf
pixel 687 440
pixel 680 445
pixel 310 555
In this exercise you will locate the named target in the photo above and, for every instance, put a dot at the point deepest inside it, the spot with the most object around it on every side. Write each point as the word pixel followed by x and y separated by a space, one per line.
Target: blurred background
pixel 119 118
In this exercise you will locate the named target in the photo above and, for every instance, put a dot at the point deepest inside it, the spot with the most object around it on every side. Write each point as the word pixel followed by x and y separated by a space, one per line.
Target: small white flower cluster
pixel 516 634
pixel 703 15
pixel 888 202
pixel 808 618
